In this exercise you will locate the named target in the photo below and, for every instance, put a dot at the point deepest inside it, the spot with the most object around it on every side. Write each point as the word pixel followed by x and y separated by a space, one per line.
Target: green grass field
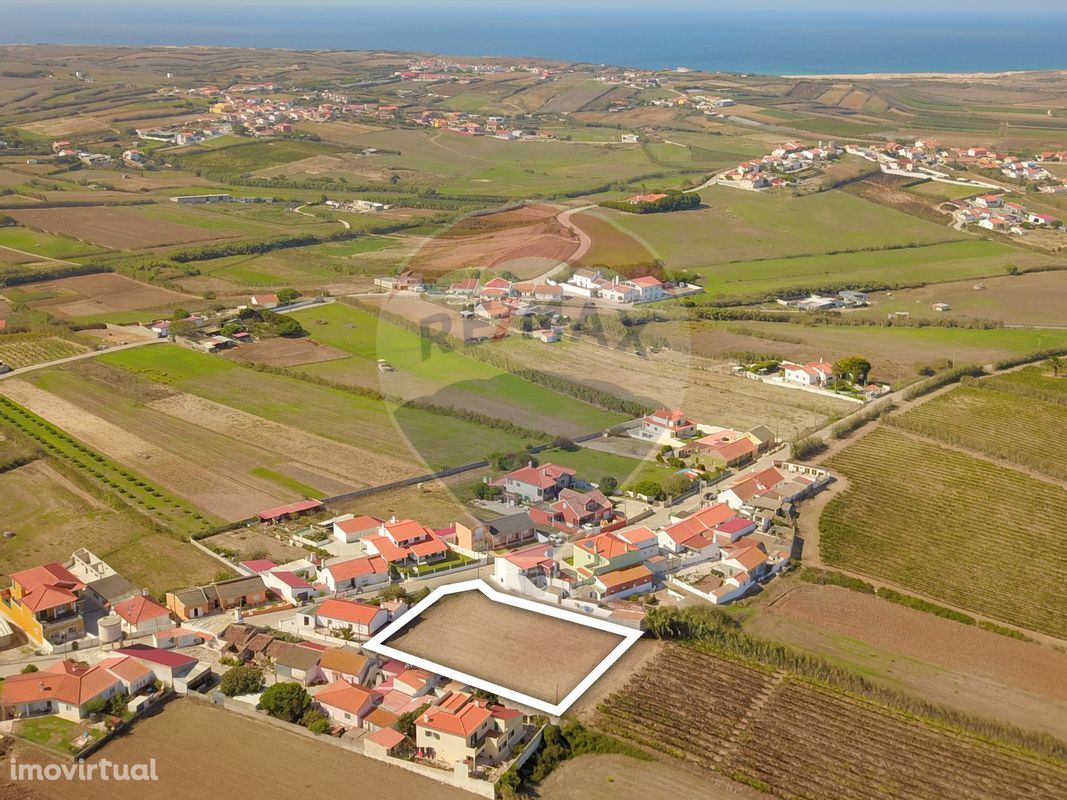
pixel 247 157
pixel 940 523
pixel 737 226
pixel 592 465
pixel 364 422
pixel 497 392
pixel 1031 382
pixel 908 266
pixel 45 245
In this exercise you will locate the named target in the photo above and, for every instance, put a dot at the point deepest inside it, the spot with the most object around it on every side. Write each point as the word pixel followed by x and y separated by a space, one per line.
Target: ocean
pixel 756 42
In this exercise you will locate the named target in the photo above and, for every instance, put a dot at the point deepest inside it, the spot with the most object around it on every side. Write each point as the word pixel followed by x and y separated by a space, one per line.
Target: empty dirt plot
pixel 282 352
pixel 527 242
pixel 114 227
pixel 536 654
pixel 106 293
pixel 975 670
pixel 247 759
pixel 615 777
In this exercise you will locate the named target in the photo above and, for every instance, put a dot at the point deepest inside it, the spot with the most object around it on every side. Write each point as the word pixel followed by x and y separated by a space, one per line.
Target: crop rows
pixel 996 424
pixel 809 743
pixel 955 528
pixel 672 707
pixel 806 742
pixel 1031 382
pixel 23 350
pixel 132 489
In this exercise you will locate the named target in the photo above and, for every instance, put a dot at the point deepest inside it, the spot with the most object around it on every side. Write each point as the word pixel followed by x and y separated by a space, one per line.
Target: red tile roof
pixel 291 508
pixel 462 721
pixel 348 611
pixel 356 567
pixel 140 609
pixel 344 696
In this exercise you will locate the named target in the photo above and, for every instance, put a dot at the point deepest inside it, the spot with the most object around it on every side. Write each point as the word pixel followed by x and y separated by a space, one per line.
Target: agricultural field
pixel 115 227
pixel 897 353
pixel 976 418
pixel 494 649
pixel 789 738
pixel 427 372
pixel 87 296
pixel 175 737
pixel 52 515
pixel 673 380
pixel 245 157
pixel 43 246
pixel 1030 382
pixel 595 464
pixel 904 266
pixel 945 662
pixel 323 426
pixel 739 226
pixel 1033 298
pixel 113 477
pixel 24 349
pixel 936 521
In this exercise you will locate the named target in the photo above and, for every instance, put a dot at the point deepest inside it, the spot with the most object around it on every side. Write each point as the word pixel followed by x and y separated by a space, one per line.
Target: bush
pixel 241 680
pixel 807 447
pixel 286 700
pixel 316 721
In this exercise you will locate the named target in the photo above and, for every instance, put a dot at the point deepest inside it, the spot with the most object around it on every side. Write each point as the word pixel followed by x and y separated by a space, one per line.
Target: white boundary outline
pixel 629 637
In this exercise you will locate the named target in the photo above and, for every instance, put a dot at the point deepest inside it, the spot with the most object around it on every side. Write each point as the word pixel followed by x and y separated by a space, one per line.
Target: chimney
pixel 144 591
pixel 392 519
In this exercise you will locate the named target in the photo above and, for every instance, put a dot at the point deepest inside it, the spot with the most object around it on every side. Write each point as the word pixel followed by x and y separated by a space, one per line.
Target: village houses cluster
pixel 555 538
pixel 772 171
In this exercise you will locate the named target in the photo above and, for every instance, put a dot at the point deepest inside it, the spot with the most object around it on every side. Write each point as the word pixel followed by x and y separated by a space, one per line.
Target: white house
pixel 643 539
pixel 347 574
pixel 362 619
pixel 142 616
pixel 814 373
pixel 353 529
pixel 648 288
pixel 289 586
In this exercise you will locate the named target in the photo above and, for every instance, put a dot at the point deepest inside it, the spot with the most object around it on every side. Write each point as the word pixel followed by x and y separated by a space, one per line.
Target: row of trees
pixel 673 201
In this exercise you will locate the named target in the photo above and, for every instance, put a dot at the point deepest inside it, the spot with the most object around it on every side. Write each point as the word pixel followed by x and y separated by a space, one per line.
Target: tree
pixel 405 723
pixel 855 368
pixel 485 491
pixel 1056 365
pixel 649 488
pixel 315 721
pixel 241 680
pixel 287 326
pixel 675 485
pixel 180 313
pixel 286 296
pixel 28 669
pixel 608 484
pixel 286 700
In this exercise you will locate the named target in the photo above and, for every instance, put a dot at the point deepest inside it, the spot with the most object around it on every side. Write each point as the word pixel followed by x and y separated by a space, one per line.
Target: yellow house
pixel 461 729
pixel 46 603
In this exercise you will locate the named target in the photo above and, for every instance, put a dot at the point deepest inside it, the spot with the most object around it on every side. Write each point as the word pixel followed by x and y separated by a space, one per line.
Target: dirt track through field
pixel 352 465
pixel 214 492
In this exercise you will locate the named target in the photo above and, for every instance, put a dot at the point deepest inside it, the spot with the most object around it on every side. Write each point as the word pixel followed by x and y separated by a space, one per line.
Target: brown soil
pixel 208 752
pixel 316 452
pixel 101 294
pixel 613 777
pixel 113 227
pixel 527 241
pixel 982 672
pixel 214 492
pixel 282 352
pixel 536 654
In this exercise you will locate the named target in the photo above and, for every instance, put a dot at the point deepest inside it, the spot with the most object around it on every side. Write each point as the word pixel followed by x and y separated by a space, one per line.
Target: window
pixel 348 716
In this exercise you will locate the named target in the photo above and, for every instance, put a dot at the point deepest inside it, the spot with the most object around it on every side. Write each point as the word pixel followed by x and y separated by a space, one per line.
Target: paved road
pixel 80 356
